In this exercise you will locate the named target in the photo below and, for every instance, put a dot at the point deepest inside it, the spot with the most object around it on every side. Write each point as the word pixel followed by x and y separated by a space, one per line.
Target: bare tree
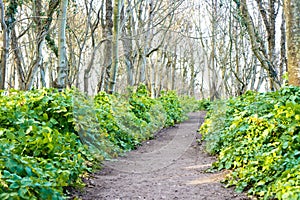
pixel 107 27
pixel 43 26
pixel 292 10
pixel 7 20
pixel 62 54
pixel 115 46
pixel 257 47
pixel 5 43
pixel 92 25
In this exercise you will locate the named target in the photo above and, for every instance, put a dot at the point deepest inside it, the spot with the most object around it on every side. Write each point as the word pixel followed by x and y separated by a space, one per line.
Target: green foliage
pixel 204 104
pixel 213 126
pixel 39 151
pixel 141 103
pixel 172 106
pixel 50 139
pixel 89 129
pixel 190 104
pixel 257 136
pixel 108 120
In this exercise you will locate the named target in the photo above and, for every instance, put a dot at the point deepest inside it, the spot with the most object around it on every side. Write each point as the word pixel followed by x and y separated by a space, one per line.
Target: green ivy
pixel 40 153
pixel 257 137
pixel 49 140
pixel 172 106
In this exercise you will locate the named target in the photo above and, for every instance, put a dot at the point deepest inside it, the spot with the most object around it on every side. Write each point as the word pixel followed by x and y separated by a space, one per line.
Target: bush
pixel 189 104
pixel 257 136
pixel 39 151
pixel 50 139
pixel 110 112
pixel 172 106
pixel 204 104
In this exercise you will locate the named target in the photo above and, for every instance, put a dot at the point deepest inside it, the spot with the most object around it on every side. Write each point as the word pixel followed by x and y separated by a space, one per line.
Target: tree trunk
pixel 37 63
pixel 269 22
pixel 145 50
pixel 292 10
pixel 283 64
pixel 255 45
pixel 174 69
pixel 4 52
pixel 18 59
pixel 62 54
pixel 192 80
pixel 213 89
pixel 107 33
pixel 42 29
pixel 88 70
pixel 128 45
pixel 115 47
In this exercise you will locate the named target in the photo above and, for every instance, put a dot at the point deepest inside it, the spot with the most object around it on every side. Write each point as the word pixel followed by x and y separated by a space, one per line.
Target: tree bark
pixel 4 52
pixel 87 71
pixel 107 33
pixel 292 10
pixel 255 45
pixel 283 61
pixel 43 29
pixel 143 59
pixel 62 54
pixel 18 59
pixel 115 47
pixel 269 19
pixel 128 45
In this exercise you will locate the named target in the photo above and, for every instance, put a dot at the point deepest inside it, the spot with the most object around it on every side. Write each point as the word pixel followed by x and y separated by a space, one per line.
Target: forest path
pixel 171 166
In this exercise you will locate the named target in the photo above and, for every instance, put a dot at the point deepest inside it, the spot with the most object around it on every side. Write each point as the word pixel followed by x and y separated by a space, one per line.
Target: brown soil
pixel 171 166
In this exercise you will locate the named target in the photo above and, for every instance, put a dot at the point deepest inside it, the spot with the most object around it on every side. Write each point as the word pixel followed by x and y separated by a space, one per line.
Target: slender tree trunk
pixel 43 29
pixel 37 63
pixel 184 78
pixel 292 10
pixel 213 88
pixel 255 45
pixel 12 77
pixel 62 53
pixel 143 58
pixel 283 64
pixel 43 76
pixel 115 47
pixel 192 81
pixel 174 69
pixel 88 70
pixel 107 33
pixel 128 45
pixel 261 79
pixel 153 80
pixel 18 59
pixel 269 19
pixel 254 74
pixel 4 52
pixel 237 64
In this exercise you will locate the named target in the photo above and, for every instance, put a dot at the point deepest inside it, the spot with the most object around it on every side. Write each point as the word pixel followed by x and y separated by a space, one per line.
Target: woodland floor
pixel 171 166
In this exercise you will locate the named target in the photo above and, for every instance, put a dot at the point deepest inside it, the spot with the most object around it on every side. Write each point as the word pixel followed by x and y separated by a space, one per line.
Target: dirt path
pixel 172 166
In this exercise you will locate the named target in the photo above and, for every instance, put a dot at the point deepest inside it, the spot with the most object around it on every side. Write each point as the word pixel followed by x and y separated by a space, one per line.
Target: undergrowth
pixel 256 136
pixel 49 140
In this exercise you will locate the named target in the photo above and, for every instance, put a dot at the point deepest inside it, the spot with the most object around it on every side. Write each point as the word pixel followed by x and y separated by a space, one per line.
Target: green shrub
pixel 141 103
pixel 189 104
pixel 110 110
pixel 257 136
pixel 50 139
pixel 172 106
pixel 204 104
pixel 39 150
